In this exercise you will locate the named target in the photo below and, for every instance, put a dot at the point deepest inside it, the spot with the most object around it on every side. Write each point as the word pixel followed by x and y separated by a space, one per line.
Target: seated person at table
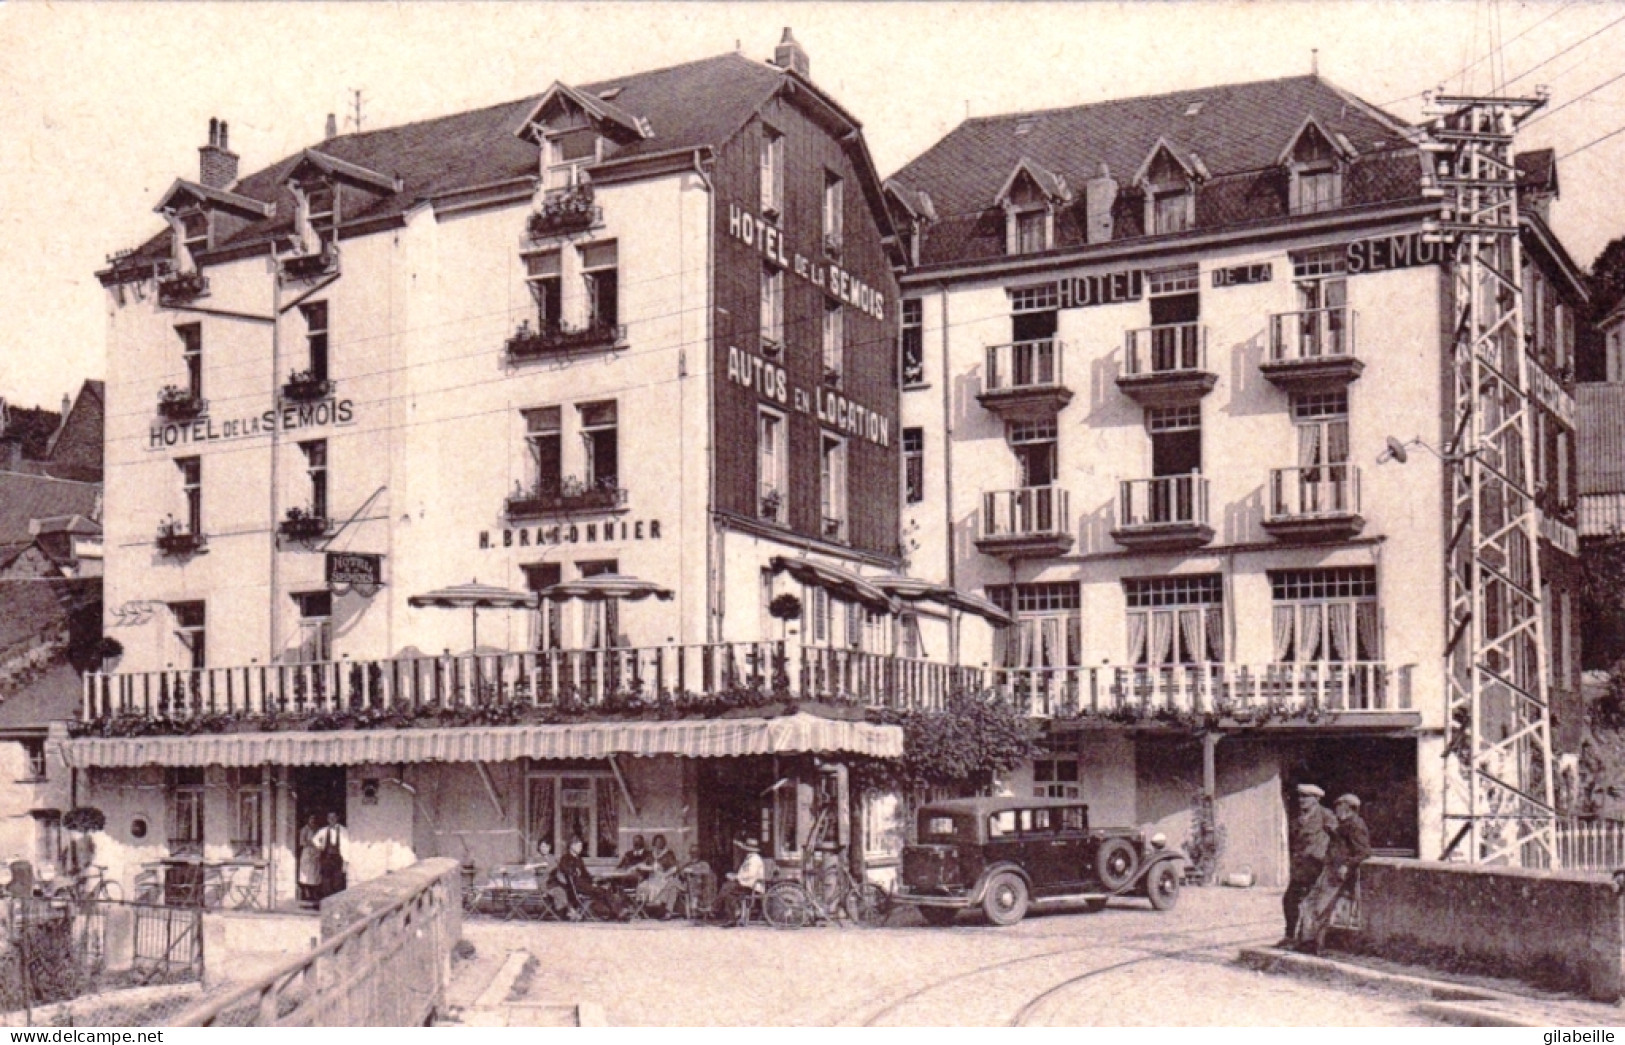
pixel 635 858
pixel 750 878
pixel 661 887
pixel 543 866
pixel 578 883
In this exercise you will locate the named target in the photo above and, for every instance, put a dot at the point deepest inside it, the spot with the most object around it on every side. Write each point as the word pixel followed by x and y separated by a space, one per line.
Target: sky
pixel 103 105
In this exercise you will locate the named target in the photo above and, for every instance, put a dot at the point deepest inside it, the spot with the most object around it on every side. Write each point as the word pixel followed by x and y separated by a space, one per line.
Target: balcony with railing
pixel 1031 523
pixel 1316 503
pixel 1312 349
pixel 566 497
pixel 1165 513
pixel 528 343
pixel 1166 365
pixel 496 689
pixel 1023 380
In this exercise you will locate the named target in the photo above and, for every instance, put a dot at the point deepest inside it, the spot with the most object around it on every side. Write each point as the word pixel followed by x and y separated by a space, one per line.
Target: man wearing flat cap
pixel 1310 835
pixel 1349 846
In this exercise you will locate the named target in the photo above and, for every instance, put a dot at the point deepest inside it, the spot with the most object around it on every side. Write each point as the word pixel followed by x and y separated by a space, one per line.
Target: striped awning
pixel 709 738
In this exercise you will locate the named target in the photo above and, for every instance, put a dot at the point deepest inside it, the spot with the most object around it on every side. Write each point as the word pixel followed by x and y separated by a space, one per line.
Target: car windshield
pixel 938 827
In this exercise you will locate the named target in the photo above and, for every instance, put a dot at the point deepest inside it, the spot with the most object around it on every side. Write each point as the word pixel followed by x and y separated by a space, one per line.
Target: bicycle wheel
pixel 868 905
pixel 786 906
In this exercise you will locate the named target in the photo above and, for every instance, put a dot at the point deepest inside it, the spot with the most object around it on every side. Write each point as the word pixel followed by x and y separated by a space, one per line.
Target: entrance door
pixel 732 802
pixel 317 791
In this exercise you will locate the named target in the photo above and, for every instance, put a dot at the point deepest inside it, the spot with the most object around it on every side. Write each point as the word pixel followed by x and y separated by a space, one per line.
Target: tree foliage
pixel 1602 601
pixel 973 739
pixel 1608 278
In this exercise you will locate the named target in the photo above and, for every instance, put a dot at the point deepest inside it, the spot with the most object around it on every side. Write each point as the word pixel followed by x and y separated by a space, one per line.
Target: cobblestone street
pixel 1127 965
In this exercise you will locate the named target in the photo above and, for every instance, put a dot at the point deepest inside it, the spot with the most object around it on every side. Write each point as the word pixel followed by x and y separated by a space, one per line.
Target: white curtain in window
pixel 1340 626
pixel 1308 445
pixel 1049 629
pixel 1365 622
pixel 1136 638
pixel 1283 633
pixel 1191 630
pixel 1309 634
pixel 1215 633
pixel 1337 442
pixel 1162 637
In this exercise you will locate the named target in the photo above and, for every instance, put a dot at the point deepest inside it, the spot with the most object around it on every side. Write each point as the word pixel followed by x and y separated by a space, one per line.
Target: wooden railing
pixel 583 678
pixel 387 970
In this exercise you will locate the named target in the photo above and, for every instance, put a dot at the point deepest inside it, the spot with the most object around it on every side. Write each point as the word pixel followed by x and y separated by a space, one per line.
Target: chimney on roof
pixel 217 164
pixel 332 127
pixel 1099 194
pixel 789 55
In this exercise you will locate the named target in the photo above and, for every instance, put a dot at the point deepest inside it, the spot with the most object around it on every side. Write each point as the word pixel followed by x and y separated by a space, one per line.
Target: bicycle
pixel 826 893
pixel 93 887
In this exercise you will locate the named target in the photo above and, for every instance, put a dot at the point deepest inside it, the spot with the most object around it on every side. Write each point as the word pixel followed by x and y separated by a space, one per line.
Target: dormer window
pixel 194 232
pixel 1314 162
pixel 1030 197
pixel 317 216
pixel 568 155
pixel 1169 185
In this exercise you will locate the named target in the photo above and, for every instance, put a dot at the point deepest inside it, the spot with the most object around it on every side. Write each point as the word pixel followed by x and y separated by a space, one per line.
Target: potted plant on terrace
pixel 304 386
pixel 179 404
pixel 302 525
pixel 563 210
pixel 176 538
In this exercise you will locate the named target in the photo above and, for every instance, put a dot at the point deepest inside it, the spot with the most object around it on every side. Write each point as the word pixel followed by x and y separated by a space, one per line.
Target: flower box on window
pixel 571 495
pixel 305 387
pixel 528 343
pixel 565 210
pixel 302 525
pixel 176 538
pixel 772 504
pixel 303 266
pixel 180 404
pixel 832 377
pixel 771 348
pixel 832 244
pixel 834 529
pixel 178 288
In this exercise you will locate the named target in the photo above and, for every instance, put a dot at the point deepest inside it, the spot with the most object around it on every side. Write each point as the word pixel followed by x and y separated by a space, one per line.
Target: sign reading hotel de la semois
pixel 289 418
pixel 768 240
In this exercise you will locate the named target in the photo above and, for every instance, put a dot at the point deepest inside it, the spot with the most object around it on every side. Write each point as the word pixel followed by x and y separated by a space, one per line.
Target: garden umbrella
pixel 475 596
pixel 604 587
pixel 915 589
pixel 833 578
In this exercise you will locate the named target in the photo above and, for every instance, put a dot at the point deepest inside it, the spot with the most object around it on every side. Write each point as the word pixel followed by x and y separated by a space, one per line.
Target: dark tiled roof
pixel 686 106
pixel 1600 424
pixel 1238 128
pixel 33 426
pixel 32 609
pixel 26 497
pixel 53 696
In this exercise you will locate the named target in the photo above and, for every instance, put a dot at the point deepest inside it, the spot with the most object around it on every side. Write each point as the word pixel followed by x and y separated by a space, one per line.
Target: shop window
pixel 189 631
pixel 544 275
pixel 786 825
pixel 192 491
pixel 315 451
pixel 315 627
pixel 772 178
pixel 191 335
pixel 184 788
pixel 315 315
pixel 832 487
pixel 582 805
pixel 601 280
pixel 885 825
pixel 1056 778
pixel 912 347
pixel 1325 615
pixel 601 442
pixel 772 467
pixel 1175 620
pixel 913 465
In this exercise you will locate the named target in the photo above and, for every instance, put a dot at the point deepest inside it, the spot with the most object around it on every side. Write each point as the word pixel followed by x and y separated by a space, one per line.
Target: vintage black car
pixel 1003 853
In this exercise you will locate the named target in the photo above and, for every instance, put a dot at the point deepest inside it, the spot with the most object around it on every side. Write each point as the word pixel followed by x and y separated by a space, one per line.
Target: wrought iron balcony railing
pixel 527 343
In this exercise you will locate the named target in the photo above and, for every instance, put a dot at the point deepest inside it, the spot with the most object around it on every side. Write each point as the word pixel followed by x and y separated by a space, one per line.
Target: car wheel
pixel 1005 902
pixel 1162 886
pixel 939 916
pixel 1116 863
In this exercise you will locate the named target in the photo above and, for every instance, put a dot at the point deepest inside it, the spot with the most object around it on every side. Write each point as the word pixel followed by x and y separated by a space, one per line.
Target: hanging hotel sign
pixel 354 568
pixel 1242 275
pixel 748 370
pixel 290 418
pixel 832 279
pixel 1394 252
pixel 571 533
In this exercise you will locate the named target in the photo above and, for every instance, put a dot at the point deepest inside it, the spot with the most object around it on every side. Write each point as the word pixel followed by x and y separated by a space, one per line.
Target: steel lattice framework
pixel 1498 757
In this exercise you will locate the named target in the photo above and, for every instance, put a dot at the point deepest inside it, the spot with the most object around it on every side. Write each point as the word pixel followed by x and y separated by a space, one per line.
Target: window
pixel 34 752
pixel 834 338
pixel 567 156
pixel 772 310
pixel 832 487
pixel 549 620
pixel 1171 211
pixel 1056 778
pixel 315 451
pixel 185 792
pixel 316 338
pixel 1178 279
pixel 772 185
pixel 544 440
pixel 786 829
pixel 1034 444
pixel 194 233
pixel 1320 278
pixel 1031 231
pixel 581 805
pixel 913 465
pixel 544 276
pixel 315 627
pixel 600 621
pixel 599 439
pixel 1322 421
pixel 191 336
pixel 247 812
pixel 192 490
pixel 1315 175
pixel 913 343
pixel 818 602
pixel 1048 632
pixel 1170 195
pixel 189 620
pixel 1325 615
pixel 1175 620
pixel 834 212
pixel 885 826
pixel 47 837
pixel 773 461
pixel 602 283
pixel 1176 439
pixel 319 202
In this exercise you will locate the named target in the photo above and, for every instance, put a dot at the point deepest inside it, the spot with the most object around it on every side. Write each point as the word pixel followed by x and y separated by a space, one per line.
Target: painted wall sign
pixel 354 568
pixel 291 418
pixel 832 279
pixel 1109 288
pixel 1242 275
pixel 748 370
pixel 1393 252
pixel 572 533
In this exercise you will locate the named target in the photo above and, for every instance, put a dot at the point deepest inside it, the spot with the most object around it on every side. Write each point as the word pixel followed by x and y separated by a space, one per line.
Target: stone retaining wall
pixel 1559 930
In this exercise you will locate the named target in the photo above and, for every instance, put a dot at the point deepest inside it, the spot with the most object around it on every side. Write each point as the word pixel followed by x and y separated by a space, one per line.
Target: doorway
pixel 732 806
pixel 317 791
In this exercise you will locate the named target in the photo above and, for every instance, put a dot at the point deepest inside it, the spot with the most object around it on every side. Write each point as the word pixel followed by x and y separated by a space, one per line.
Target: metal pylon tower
pixel 1497 804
